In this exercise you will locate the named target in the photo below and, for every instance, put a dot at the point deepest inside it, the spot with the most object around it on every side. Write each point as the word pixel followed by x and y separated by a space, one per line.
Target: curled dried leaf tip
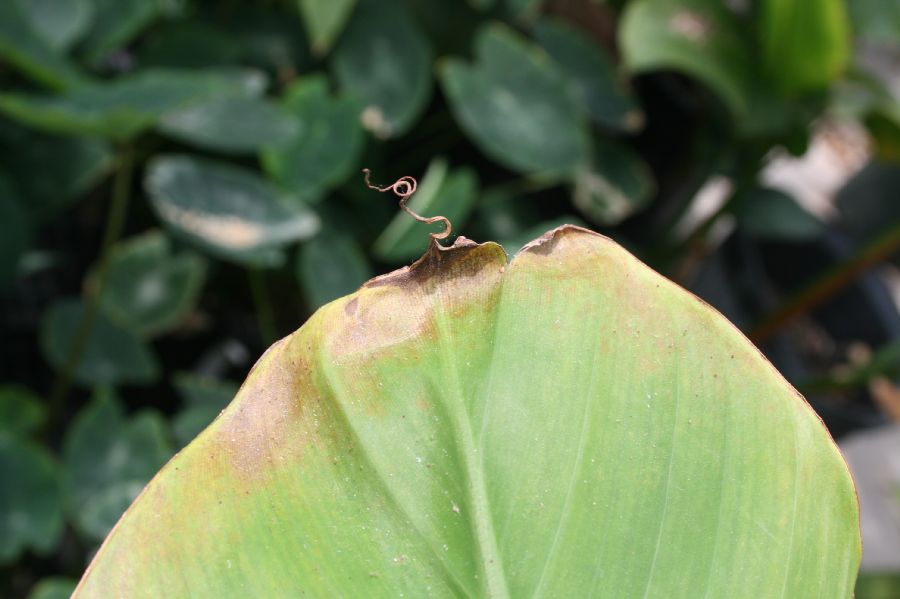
pixel 404 188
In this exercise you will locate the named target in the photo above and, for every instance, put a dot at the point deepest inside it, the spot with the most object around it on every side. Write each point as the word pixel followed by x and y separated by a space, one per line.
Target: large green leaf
pixel 697 37
pixel 228 211
pixel 30 499
pixel 148 290
pixel 107 460
pixel 127 106
pixel 805 43
pixel 569 424
pixel 324 21
pixel 513 103
pixel 326 145
pixel 385 60
pixel 591 74
pixel 23 47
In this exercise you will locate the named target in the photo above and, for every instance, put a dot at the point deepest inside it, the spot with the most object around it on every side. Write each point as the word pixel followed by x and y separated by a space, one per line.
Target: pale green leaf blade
pixel 226 210
pixel 326 145
pixel 570 424
pixel 324 20
pixel 699 38
pixel 513 104
pixel 384 59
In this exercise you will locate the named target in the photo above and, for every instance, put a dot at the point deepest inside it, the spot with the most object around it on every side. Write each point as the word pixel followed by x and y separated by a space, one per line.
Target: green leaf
pixel 51 172
pixel 231 124
pixel 60 23
pixel 326 146
pixel 513 104
pixel 385 60
pixel 115 23
pixel 805 43
pixel 331 265
pixel 875 20
pixel 591 74
pixel 772 214
pixel 21 411
pixel 444 193
pixel 227 211
pixel 148 290
pixel 569 424
pixel 30 501
pixel 15 230
pixel 107 460
pixel 22 47
pixel 324 21
pixel 512 244
pixel 617 185
pixel 205 398
pixel 698 38
pixel 188 44
pixel 523 9
pixel 127 106
pixel 877 585
pixel 53 588
pixel 111 355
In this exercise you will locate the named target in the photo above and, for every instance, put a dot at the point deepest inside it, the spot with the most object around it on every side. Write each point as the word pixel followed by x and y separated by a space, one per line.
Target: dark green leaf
pixel 51 172
pixel 444 193
pixel 30 502
pixel 21 411
pixel 116 22
pixel 23 48
pixel 331 265
pixel 107 459
pixel 877 585
pixel 771 214
pixel 188 44
pixel 15 231
pixel 228 211
pixel 59 22
pixel 385 60
pixel 53 588
pixel 326 146
pixel 697 37
pixel 148 290
pixel 868 202
pixel 205 398
pixel 127 106
pixel 230 124
pixel 111 355
pixel 513 104
pixel 523 9
pixel 324 21
pixel 591 74
pixel 618 184
pixel 805 43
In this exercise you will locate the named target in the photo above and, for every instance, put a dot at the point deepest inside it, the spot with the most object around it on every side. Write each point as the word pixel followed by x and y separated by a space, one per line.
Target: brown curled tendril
pixel 404 188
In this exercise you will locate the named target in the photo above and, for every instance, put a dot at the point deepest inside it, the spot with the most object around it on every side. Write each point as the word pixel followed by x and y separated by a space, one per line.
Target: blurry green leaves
pixel 116 22
pixel 30 498
pixel 229 211
pixel 111 355
pixel 53 588
pixel 23 47
pixel 204 398
pixel 325 145
pixel 617 184
pixel 771 214
pixel 513 103
pixel 128 105
pixel 230 124
pixel 330 266
pixel 591 75
pixel 441 192
pixel 385 60
pixel 14 230
pixel 700 38
pixel 59 22
pixel 805 43
pixel 324 20
pixel 21 411
pixel 107 459
pixel 148 290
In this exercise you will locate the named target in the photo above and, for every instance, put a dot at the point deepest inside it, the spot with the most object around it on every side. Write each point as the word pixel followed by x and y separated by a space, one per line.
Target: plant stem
pixel 263 304
pixel 115 223
pixel 827 285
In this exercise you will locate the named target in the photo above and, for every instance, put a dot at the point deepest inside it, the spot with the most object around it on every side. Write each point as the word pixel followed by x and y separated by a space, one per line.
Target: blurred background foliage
pixel 180 186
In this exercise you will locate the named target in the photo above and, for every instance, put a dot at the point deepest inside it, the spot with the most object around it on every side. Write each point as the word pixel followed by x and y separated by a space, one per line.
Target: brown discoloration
pixel 351 307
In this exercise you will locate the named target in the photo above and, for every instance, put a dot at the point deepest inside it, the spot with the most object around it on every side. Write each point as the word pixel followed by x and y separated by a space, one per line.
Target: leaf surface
pixel 568 424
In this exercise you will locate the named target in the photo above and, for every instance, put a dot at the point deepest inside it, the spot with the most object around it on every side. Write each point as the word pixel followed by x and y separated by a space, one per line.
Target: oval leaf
pixel 24 48
pixel 568 424
pixel 513 104
pixel 58 22
pixel 228 211
pixel 324 21
pixel 385 60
